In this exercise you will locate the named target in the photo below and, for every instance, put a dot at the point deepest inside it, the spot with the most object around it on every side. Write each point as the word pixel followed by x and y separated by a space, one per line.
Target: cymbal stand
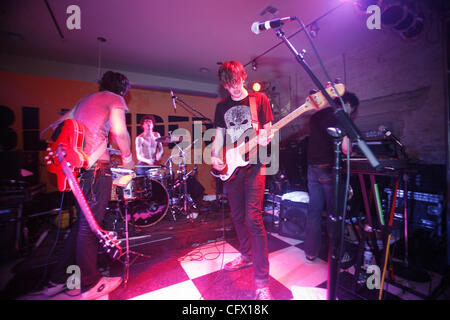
pixel 127 252
pixel 182 178
pixel 170 185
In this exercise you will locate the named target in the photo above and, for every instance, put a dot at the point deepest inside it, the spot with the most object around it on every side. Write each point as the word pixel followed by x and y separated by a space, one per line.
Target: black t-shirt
pixel 321 144
pixel 235 116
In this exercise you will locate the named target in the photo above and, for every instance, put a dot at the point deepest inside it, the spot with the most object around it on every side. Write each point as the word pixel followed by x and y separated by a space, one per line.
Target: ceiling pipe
pixel 136 85
pixel 54 19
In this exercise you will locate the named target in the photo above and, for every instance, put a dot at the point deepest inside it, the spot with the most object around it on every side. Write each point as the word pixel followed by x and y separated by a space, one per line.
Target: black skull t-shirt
pixel 235 116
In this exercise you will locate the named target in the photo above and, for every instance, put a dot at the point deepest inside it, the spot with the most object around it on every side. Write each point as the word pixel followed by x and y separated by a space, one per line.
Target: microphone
pixel 388 133
pixel 173 101
pixel 257 27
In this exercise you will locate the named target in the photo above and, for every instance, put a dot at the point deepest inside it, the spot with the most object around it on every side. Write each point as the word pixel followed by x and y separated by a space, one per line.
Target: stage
pixel 185 260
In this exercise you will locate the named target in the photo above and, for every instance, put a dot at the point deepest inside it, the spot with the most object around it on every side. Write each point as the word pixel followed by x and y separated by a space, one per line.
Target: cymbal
pixel 169 139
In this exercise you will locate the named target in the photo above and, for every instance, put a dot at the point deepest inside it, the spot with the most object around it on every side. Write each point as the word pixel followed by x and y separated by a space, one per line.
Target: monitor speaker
pixel 293 219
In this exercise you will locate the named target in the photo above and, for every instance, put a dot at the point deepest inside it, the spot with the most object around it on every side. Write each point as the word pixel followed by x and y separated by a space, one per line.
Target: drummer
pixel 148 150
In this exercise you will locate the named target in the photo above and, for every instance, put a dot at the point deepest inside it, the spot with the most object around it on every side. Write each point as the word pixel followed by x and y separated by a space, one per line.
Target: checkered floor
pixel 185 262
pixel 199 274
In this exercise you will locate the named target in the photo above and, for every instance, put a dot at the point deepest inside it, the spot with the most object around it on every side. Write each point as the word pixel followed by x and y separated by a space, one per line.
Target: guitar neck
pixel 291 116
pixel 277 126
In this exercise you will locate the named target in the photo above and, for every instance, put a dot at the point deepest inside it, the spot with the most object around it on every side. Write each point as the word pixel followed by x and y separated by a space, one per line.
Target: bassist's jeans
pixel 81 247
pixel 245 194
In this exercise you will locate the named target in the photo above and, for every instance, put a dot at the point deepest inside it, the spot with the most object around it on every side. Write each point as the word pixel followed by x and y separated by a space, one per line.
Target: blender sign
pixel 374 20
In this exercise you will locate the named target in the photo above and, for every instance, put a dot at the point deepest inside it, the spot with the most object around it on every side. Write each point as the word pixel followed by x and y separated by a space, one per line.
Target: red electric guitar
pixel 65 158
pixel 235 158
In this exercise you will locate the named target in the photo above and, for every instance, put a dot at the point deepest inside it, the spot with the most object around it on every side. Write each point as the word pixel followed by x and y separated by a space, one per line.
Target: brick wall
pixel 401 84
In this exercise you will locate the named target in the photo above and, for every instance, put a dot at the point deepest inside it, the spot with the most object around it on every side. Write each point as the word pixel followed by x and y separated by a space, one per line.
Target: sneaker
pixel 310 259
pixel 238 263
pixel 104 286
pixel 263 294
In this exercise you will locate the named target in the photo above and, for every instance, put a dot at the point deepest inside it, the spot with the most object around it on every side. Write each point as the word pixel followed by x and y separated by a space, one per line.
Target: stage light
pixel 393 14
pixel 254 65
pixel 415 30
pixel 314 30
pixel 406 19
pixel 256 86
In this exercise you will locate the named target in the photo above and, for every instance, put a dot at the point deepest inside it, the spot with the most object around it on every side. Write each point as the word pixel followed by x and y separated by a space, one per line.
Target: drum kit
pixel 148 198
pixel 144 200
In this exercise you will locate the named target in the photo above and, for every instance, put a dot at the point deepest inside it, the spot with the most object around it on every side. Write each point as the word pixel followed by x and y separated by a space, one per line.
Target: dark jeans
pixel 245 194
pixel 81 247
pixel 321 196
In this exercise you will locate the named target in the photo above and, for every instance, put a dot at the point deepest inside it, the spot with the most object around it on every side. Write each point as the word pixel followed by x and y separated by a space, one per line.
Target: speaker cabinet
pixel 293 219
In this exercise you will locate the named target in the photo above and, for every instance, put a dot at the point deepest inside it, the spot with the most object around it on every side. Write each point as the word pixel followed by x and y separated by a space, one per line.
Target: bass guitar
pixel 236 157
pixel 65 158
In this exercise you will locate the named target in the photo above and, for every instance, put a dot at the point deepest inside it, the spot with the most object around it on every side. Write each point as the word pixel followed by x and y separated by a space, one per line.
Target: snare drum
pixel 158 173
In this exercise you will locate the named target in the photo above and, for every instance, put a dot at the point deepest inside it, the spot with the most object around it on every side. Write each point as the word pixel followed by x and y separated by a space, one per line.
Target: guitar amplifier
pixel 293 213
pixel 425 210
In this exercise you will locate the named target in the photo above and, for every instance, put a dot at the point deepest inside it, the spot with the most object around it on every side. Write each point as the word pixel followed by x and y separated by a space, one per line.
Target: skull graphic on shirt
pixel 238 120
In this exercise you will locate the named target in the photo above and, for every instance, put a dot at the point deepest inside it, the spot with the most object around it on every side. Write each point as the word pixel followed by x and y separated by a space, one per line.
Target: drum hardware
pixel 169 139
pixel 122 183
pixel 187 203
pixel 127 252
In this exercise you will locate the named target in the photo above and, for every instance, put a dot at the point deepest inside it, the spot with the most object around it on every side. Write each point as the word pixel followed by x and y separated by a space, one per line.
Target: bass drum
pixel 149 208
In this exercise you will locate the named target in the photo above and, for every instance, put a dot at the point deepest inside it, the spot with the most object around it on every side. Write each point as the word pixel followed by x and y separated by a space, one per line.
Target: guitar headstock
pixel 108 240
pixel 317 100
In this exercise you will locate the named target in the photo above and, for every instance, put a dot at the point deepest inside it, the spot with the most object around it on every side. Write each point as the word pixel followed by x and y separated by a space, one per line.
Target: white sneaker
pixel 263 294
pixel 104 286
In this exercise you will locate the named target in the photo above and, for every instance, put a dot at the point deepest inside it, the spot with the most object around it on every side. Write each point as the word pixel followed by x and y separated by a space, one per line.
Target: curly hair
pixel 149 117
pixel 114 82
pixel 231 72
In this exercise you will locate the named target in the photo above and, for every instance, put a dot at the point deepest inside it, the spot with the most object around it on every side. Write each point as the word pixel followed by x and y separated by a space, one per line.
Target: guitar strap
pixel 253 113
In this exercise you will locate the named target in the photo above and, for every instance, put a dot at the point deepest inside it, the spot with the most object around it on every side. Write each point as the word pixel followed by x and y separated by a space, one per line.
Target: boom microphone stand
pixel 192 108
pixel 335 220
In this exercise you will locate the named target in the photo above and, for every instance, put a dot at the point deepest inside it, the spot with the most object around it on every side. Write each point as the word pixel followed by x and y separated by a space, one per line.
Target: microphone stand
pixel 335 220
pixel 193 109
pixel 210 122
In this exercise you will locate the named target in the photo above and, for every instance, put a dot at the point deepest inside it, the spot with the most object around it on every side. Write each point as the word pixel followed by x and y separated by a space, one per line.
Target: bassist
pixel 245 192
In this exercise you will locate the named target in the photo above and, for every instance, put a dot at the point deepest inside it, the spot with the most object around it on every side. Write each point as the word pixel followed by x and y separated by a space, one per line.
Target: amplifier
pixel 293 219
pixel 425 210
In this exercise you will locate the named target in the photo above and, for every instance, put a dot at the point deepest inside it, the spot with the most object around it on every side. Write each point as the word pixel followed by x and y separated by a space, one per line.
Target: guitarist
pixel 320 157
pixel 102 113
pixel 245 191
